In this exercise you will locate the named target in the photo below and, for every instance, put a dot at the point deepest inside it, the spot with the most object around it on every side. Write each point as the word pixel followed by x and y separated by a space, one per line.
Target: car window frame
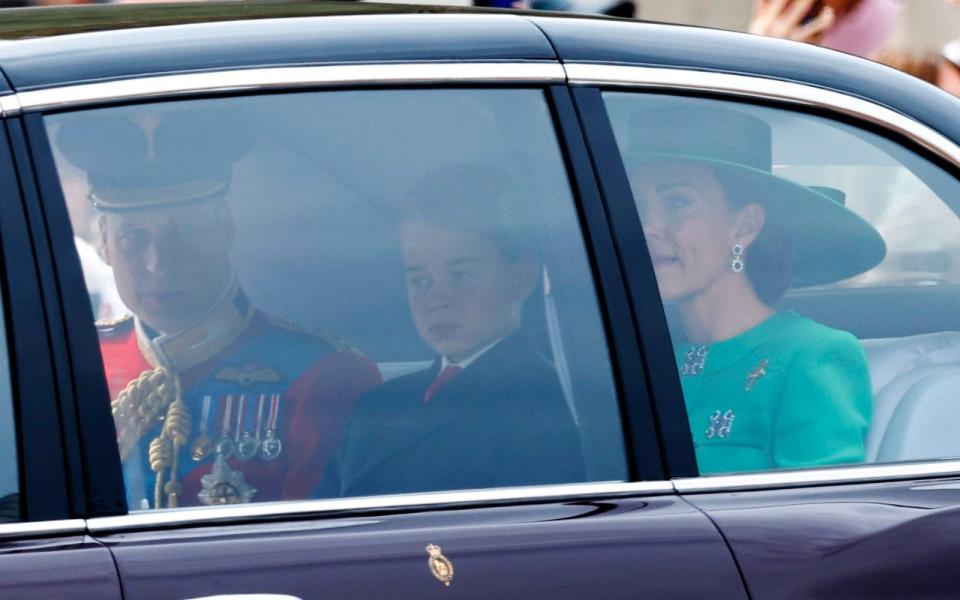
pixel 785 95
pixel 46 497
pixel 81 378
pixel 546 76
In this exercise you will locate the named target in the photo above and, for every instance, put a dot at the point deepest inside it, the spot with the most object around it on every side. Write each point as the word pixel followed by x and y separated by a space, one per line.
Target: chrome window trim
pixel 142 88
pixel 812 477
pixel 9 105
pixel 245 512
pixel 42 528
pixel 751 86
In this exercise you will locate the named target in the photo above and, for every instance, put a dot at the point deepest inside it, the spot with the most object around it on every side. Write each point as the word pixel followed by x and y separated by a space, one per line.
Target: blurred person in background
pixel 612 8
pixel 948 68
pixel 859 27
pixel 922 64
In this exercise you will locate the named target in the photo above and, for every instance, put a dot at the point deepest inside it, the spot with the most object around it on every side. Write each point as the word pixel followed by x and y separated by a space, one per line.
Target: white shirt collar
pixel 463 364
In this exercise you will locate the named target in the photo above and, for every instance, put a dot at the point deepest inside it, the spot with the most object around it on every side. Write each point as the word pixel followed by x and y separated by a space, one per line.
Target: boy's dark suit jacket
pixel 503 421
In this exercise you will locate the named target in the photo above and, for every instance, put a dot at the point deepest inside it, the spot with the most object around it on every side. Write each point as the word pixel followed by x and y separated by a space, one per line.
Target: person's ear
pixel 526 272
pixel 104 240
pixel 748 222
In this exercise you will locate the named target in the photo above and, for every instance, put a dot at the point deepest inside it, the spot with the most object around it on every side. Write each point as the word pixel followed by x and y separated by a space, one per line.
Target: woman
pixel 763 389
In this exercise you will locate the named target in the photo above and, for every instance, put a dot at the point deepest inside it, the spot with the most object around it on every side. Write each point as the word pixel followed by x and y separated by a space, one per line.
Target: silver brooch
pixel 693 361
pixel 755 375
pixel 720 424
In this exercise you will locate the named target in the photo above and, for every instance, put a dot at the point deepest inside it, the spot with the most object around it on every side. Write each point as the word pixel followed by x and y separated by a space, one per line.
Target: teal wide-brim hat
pixel 830 242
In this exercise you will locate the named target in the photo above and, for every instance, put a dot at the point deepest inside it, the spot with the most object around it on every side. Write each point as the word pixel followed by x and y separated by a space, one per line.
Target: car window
pixel 339 294
pixel 809 273
pixel 9 472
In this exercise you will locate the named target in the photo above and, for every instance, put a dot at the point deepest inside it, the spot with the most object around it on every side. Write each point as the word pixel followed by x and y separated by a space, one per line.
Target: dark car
pixel 419 305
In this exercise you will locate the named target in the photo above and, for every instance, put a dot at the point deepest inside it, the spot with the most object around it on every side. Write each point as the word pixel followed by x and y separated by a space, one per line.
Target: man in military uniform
pixel 215 402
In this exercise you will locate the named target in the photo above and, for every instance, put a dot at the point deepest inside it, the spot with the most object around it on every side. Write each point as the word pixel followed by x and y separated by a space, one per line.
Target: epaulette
pixel 338 343
pixel 111 327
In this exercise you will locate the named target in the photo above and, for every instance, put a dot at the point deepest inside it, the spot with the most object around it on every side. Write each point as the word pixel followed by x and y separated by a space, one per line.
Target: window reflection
pixel 278 259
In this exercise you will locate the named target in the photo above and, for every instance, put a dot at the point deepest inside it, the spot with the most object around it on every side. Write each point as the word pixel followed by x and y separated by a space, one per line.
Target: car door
pixel 881 522
pixel 318 186
pixel 44 548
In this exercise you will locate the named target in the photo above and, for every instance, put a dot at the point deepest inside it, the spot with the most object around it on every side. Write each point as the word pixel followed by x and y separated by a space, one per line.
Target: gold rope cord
pixel 176 428
pixel 161 455
pixel 139 405
pixel 135 411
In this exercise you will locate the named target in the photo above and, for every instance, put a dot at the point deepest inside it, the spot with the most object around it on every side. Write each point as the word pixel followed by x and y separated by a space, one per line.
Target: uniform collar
pixel 207 338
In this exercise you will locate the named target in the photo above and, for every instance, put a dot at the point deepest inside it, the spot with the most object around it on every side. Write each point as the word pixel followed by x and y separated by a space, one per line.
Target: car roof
pixel 350 32
pixel 117 54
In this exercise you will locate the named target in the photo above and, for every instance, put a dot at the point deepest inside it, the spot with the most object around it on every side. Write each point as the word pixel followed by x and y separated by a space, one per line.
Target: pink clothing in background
pixel 865 29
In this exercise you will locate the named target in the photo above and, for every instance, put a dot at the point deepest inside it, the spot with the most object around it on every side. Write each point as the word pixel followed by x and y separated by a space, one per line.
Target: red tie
pixel 448 373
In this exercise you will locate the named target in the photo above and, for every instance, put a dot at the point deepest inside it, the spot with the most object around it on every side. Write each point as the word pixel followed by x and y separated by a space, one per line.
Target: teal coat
pixel 788 393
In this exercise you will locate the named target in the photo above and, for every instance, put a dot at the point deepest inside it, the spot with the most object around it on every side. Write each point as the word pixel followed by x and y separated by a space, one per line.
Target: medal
pixel 225 445
pixel 250 442
pixel 248 445
pixel 223 485
pixel 271 446
pixel 241 405
pixel 202 446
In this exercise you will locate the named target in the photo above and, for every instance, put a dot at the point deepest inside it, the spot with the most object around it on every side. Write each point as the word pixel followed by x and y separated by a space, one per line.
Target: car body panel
pixel 50 567
pixel 618 549
pixel 892 540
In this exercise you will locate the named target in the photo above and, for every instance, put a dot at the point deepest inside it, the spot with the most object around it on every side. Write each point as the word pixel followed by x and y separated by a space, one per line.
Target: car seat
pixel 916 397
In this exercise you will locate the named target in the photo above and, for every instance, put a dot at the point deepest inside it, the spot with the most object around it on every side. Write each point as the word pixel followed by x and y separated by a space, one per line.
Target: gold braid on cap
pixel 138 406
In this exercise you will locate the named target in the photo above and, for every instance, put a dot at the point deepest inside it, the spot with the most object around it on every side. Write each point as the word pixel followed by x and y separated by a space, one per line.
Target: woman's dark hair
pixel 769 260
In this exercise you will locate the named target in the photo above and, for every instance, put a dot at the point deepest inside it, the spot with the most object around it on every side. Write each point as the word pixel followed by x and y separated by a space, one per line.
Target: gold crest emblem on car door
pixel 440 565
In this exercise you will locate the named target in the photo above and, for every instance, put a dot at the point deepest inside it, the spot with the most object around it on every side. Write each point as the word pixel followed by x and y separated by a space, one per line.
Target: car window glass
pixel 339 294
pixel 9 472
pixel 809 273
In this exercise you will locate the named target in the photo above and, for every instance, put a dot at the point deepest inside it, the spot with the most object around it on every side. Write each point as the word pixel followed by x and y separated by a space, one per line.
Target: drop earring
pixel 736 265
